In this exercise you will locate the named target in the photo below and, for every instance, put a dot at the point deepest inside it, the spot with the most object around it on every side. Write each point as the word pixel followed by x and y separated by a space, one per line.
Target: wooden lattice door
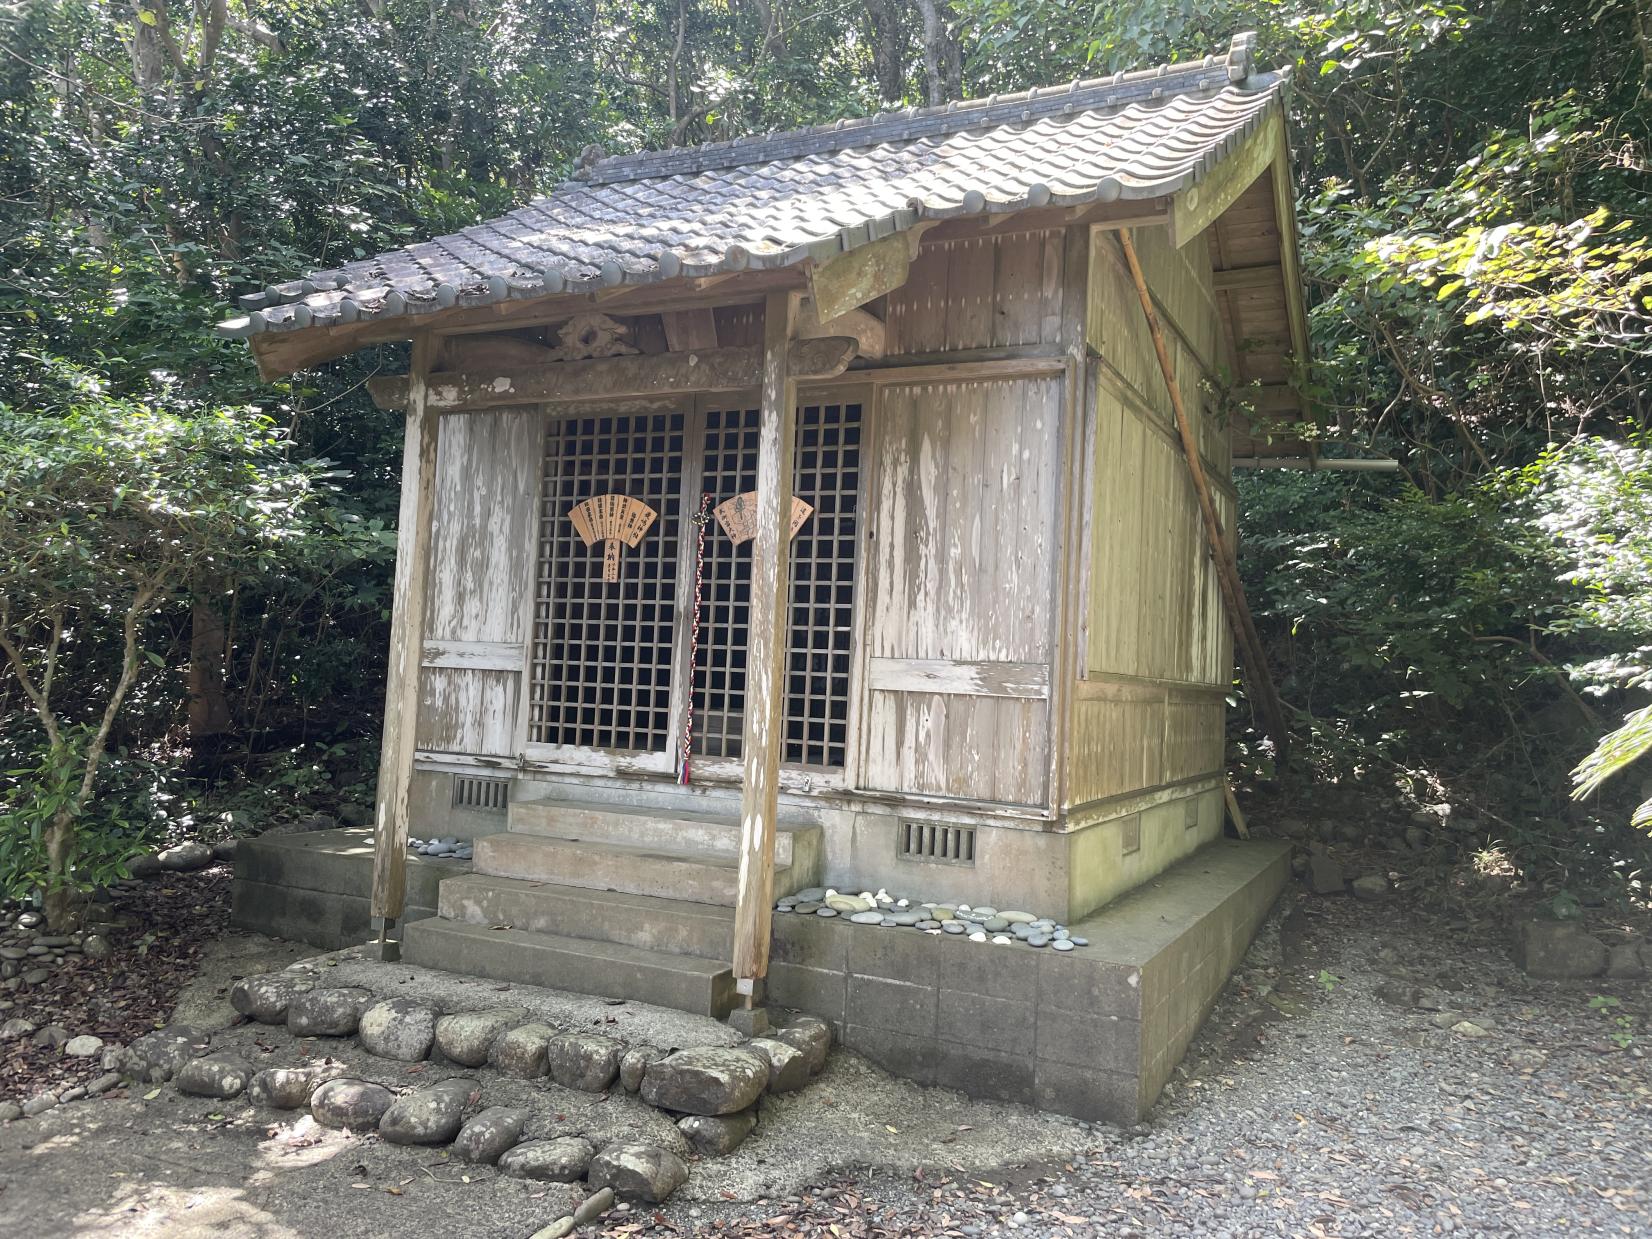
pixel 827 478
pixel 602 651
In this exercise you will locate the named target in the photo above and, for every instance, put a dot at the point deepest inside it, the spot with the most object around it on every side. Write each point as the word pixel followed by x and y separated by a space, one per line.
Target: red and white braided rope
pixel 702 519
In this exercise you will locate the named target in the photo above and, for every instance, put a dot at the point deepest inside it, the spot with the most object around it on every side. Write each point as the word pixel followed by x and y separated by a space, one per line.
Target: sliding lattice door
pixel 602 651
pixel 603 654
pixel 822 587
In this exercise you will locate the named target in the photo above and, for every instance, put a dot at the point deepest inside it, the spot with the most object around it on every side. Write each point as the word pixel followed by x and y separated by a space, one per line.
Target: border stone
pixel 402 1029
pixel 705 1080
pixel 562 1160
pixel 327 1012
pixel 588 1062
pixel 641 1172
pixel 466 1036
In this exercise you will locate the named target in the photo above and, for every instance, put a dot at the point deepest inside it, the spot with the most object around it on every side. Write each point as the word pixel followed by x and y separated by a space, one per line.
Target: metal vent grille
pixel 827 476
pixel 938 844
pixel 1130 834
pixel 602 651
pixel 481 795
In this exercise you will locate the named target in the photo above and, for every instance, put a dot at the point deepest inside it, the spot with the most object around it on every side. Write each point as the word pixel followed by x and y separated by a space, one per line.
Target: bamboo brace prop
pixel 1227 570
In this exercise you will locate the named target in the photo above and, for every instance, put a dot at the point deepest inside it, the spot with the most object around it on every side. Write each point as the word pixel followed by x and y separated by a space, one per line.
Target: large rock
pixel 158 1056
pixel 1623 962
pixel 183 857
pixel 432 1115
pixel 788 1065
pixel 327 1012
pixel 468 1036
pixel 1325 876
pixel 289 1088
pixel 586 1061
pixel 265 998
pixel 354 1104
pixel 1559 950
pixel 215 1075
pixel 521 1051
pixel 557 1161
pixel 1371 886
pixel 400 1028
pixel 490 1135
pixel 812 1036
pixel 640 1172
pixel 713 1135
pixel 705 1080
pixel 634 1062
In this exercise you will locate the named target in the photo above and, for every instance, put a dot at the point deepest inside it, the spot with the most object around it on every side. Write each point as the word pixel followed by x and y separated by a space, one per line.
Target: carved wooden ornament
pixel 611 519
pixel 738 516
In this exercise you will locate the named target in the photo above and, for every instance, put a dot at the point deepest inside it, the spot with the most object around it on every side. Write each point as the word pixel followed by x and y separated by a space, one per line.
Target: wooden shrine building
pixel 812 511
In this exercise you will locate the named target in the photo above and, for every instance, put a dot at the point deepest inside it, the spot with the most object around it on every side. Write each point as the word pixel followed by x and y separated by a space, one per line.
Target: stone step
pixel 603 969
pixel 627 868
pixel 675 829
pixel 673 925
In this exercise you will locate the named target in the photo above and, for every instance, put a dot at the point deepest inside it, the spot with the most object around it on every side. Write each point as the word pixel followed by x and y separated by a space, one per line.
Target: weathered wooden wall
pixel 1001 291
pixel 482 560
pixel 1156 650
pixel 960 555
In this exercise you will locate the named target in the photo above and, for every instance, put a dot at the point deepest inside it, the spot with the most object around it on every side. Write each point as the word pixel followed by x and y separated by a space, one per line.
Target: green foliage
pixel 1472 188
pixel 125 818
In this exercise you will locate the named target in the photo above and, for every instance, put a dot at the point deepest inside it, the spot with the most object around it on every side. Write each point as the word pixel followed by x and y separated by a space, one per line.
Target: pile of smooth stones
pixel 448 847
pixel 978 924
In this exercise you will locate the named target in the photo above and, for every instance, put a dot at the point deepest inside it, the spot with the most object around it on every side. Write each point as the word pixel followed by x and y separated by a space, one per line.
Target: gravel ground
pixel 1323 1097
pixel 1322 1100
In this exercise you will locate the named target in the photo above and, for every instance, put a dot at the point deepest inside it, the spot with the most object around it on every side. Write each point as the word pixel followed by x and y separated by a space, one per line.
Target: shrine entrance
pixel 637 657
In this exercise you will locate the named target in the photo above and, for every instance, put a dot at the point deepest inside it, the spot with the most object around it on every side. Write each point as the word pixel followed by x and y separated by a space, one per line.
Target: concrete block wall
pixel 1092 1033
pixel 316 887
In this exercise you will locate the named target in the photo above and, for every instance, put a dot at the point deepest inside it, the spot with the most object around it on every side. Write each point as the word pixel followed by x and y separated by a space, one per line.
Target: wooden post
pixel 1227 570
pixel 401 697
pixel 764 734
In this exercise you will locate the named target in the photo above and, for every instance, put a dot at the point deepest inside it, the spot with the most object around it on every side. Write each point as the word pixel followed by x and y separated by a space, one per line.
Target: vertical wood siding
pixel 1157 651
pixel 961 548
pixel 999 291
pixel 481 563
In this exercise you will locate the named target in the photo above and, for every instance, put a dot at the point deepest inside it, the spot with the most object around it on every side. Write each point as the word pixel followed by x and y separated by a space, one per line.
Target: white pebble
pixel 978 936
pixel 1002 939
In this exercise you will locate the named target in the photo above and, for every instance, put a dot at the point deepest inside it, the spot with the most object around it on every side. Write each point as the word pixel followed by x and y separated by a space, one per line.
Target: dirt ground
pixel 1333 1092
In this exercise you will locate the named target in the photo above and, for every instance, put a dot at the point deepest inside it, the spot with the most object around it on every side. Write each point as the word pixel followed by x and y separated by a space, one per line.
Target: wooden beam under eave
pixel 1268 275
pixel 763 736
pixel 619 378
pixel 401 704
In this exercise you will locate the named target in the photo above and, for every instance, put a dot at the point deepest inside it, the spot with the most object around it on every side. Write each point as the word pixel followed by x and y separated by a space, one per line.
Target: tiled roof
pixel 811 193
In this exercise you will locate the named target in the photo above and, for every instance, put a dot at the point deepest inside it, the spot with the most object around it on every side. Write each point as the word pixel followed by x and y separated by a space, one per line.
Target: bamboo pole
pixel 401 696
pixel 1221 554
pixel 764 736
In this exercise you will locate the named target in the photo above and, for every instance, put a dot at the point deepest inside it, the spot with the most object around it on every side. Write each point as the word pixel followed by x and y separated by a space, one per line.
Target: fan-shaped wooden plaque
pixel 611 519
pixel 738 516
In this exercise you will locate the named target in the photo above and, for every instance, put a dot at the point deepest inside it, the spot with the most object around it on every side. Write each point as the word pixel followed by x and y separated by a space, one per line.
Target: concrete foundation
pixel 315 887
pixel 1093 1033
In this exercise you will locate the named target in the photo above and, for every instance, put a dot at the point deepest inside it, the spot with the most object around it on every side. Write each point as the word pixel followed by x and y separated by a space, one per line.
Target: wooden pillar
pixel 401 697
pixel 764 734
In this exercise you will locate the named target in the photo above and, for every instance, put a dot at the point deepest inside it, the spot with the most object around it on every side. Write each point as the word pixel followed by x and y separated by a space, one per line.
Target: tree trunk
pixel 209 712
pixel 943 65
pixel 884 18
pixel 61 906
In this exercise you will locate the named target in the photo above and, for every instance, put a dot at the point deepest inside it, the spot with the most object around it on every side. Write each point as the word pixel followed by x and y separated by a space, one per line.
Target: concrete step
pixel 603 969
pixel 628 868
pixel 672 925
pixel 796 843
